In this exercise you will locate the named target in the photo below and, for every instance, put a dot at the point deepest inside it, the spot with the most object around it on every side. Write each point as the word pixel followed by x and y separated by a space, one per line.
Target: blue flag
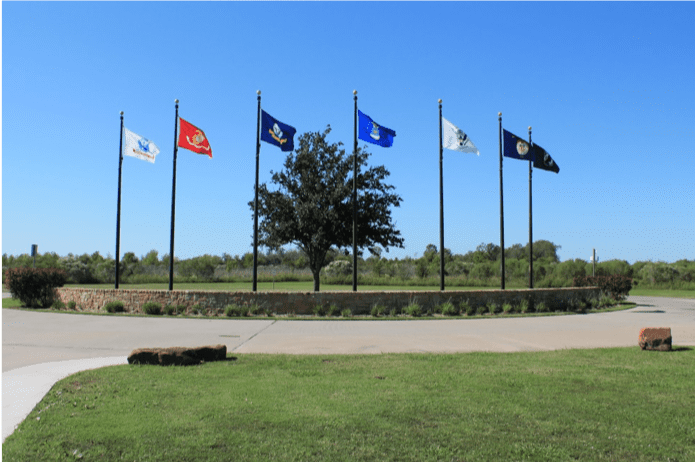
pixel 275 132
pixel 372 132
pixel 516 148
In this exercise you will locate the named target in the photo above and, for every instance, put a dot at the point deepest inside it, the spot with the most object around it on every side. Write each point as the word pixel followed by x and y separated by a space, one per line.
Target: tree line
pixel 476 268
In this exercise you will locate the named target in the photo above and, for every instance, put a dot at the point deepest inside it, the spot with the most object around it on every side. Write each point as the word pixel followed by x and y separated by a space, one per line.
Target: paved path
pixel 40 348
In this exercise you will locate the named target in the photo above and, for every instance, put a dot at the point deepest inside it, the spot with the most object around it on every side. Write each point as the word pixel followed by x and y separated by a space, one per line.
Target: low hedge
pixel 34 287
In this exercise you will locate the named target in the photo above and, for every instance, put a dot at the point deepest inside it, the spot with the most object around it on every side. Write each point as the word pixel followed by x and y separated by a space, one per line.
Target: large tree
pixel 312 204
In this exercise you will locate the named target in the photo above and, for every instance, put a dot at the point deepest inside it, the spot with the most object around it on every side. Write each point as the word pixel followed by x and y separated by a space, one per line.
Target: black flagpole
pixel 255 201
pixel 501 205
pixel 118 213
pixel 441 203
pixel 173 199
pixel 354 204
pixel 530 216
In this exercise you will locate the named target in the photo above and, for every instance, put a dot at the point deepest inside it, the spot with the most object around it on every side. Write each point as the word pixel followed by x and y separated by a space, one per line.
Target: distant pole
pixel 530 217
pixel 593 261
pixel 354 204
pixel 255 201
pixel 118 210
pixel 501 206
pixel 441 203
pixel 173 199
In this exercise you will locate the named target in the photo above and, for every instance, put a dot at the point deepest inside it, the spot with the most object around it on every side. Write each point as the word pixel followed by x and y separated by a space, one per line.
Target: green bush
pixel 58 305
pixel 34 287
pixel 181 309
pixel 616 286
pixel 507 308
pixel 333 310
pixel 72 305
pixel 197 309
pixel 482 309
pixel 606 302
pixel 413 310
pixel 346 313
pixel 115 306
pixel 169 310
pixel 523 306
pixel 234 311
pixel 449 309
pixel 152 308
pixel 256 310
pixel 378 310
pixel 493 308
pixel 319 310
pixel 467 308
pixel 541 307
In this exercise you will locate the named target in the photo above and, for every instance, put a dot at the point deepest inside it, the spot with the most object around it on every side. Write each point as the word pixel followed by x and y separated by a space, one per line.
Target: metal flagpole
pixel 499 114
pixel 441 203
pixel 173 199
pixel 255 201
pixel 118 212
pixel 530 215
pixel 354 204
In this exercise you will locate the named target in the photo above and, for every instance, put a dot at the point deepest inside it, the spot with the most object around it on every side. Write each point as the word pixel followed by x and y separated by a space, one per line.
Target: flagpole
pixel 499 114
pixel 173 200
pixel 441 203
pixel 255 201
pixel 354 204
pixel 118 212
pixel 530 215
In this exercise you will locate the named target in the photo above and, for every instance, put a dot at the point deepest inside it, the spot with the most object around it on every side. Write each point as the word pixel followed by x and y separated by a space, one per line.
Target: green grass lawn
pixel 618 404
pixel 301 286
pixel 675 293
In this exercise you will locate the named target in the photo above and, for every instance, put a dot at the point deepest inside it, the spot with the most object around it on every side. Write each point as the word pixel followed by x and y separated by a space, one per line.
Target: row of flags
pixel 282 135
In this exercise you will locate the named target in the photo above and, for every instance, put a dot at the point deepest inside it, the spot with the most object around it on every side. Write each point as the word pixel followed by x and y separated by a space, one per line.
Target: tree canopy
pixel 312 206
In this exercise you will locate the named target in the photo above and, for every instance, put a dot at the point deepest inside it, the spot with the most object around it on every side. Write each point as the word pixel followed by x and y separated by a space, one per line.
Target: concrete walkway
pixel 39 349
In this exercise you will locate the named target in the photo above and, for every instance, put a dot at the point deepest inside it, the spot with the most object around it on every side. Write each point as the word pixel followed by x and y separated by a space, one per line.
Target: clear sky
pixel 607 87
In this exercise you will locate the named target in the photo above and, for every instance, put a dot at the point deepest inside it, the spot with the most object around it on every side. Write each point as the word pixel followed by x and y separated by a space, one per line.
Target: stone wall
pixel 304 302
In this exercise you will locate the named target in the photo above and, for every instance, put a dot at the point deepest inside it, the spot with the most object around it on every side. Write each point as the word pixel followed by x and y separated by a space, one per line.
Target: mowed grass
pixel 618 404
pixel 674 293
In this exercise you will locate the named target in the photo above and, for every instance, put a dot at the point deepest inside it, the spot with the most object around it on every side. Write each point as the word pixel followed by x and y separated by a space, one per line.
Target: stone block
pixel 178 356
pixel 655 338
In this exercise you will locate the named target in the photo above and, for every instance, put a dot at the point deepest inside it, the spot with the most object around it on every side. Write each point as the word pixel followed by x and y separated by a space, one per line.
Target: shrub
pixel 34 287
pixel 256 310
pixel 413 310
pixel 234 311
pixel 181 309
pixel 346 313
pixel 541 307
pixel 333 310
pixel 467 308
pixel 449 309
pixel 606 302
pixel 72 305
pixel 616 286
pixel 507 308
pixel 197 309
pixel 378 310
pixel 319 310
pixel 492 308
pixel 523 306
pixel 115 306
pixel 169 310
pixel 481 309
pixel 58 305
pixel 152 308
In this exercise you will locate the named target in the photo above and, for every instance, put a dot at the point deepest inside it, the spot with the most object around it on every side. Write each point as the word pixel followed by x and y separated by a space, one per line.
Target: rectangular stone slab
pixel 655 338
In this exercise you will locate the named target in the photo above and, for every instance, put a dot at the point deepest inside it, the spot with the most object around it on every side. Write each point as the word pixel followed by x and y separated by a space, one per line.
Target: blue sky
pixel 607 87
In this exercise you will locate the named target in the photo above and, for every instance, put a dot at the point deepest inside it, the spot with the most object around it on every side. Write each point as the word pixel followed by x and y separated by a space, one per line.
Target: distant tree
pixel 312 207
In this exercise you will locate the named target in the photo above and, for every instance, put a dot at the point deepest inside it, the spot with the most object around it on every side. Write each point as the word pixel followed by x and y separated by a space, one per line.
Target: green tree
pixel 312 207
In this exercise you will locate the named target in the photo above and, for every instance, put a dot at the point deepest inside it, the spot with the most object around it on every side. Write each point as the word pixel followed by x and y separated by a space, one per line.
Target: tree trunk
pixel 317 282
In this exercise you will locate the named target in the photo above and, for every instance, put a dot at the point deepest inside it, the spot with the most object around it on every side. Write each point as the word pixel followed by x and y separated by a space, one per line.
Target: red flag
pixel 193 138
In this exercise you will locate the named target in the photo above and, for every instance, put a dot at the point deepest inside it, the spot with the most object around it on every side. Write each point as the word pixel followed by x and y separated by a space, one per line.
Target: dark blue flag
pixel 275 132
pixel 542 160
pixel 516 148
pixel 372 132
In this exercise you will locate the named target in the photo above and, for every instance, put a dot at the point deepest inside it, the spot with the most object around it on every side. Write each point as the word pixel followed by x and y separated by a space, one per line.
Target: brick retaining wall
pixel 304 302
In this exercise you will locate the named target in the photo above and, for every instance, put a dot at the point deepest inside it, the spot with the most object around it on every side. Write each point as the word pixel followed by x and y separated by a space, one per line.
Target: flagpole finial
pixel 529 128
pixel 354 92
pixel 258 92
pixel 121 113
pixel 440 101
pixel 176 101
pixel 499 114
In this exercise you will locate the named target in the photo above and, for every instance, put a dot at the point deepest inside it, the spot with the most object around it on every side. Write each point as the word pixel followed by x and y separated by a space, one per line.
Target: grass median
pixel 619 404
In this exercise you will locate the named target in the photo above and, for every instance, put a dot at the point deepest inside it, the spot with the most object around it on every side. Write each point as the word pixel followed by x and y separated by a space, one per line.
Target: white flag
pixel 453 138
pixel 137 146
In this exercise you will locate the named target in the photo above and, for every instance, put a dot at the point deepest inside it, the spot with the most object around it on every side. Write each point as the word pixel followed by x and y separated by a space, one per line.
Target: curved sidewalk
pixel 39 349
